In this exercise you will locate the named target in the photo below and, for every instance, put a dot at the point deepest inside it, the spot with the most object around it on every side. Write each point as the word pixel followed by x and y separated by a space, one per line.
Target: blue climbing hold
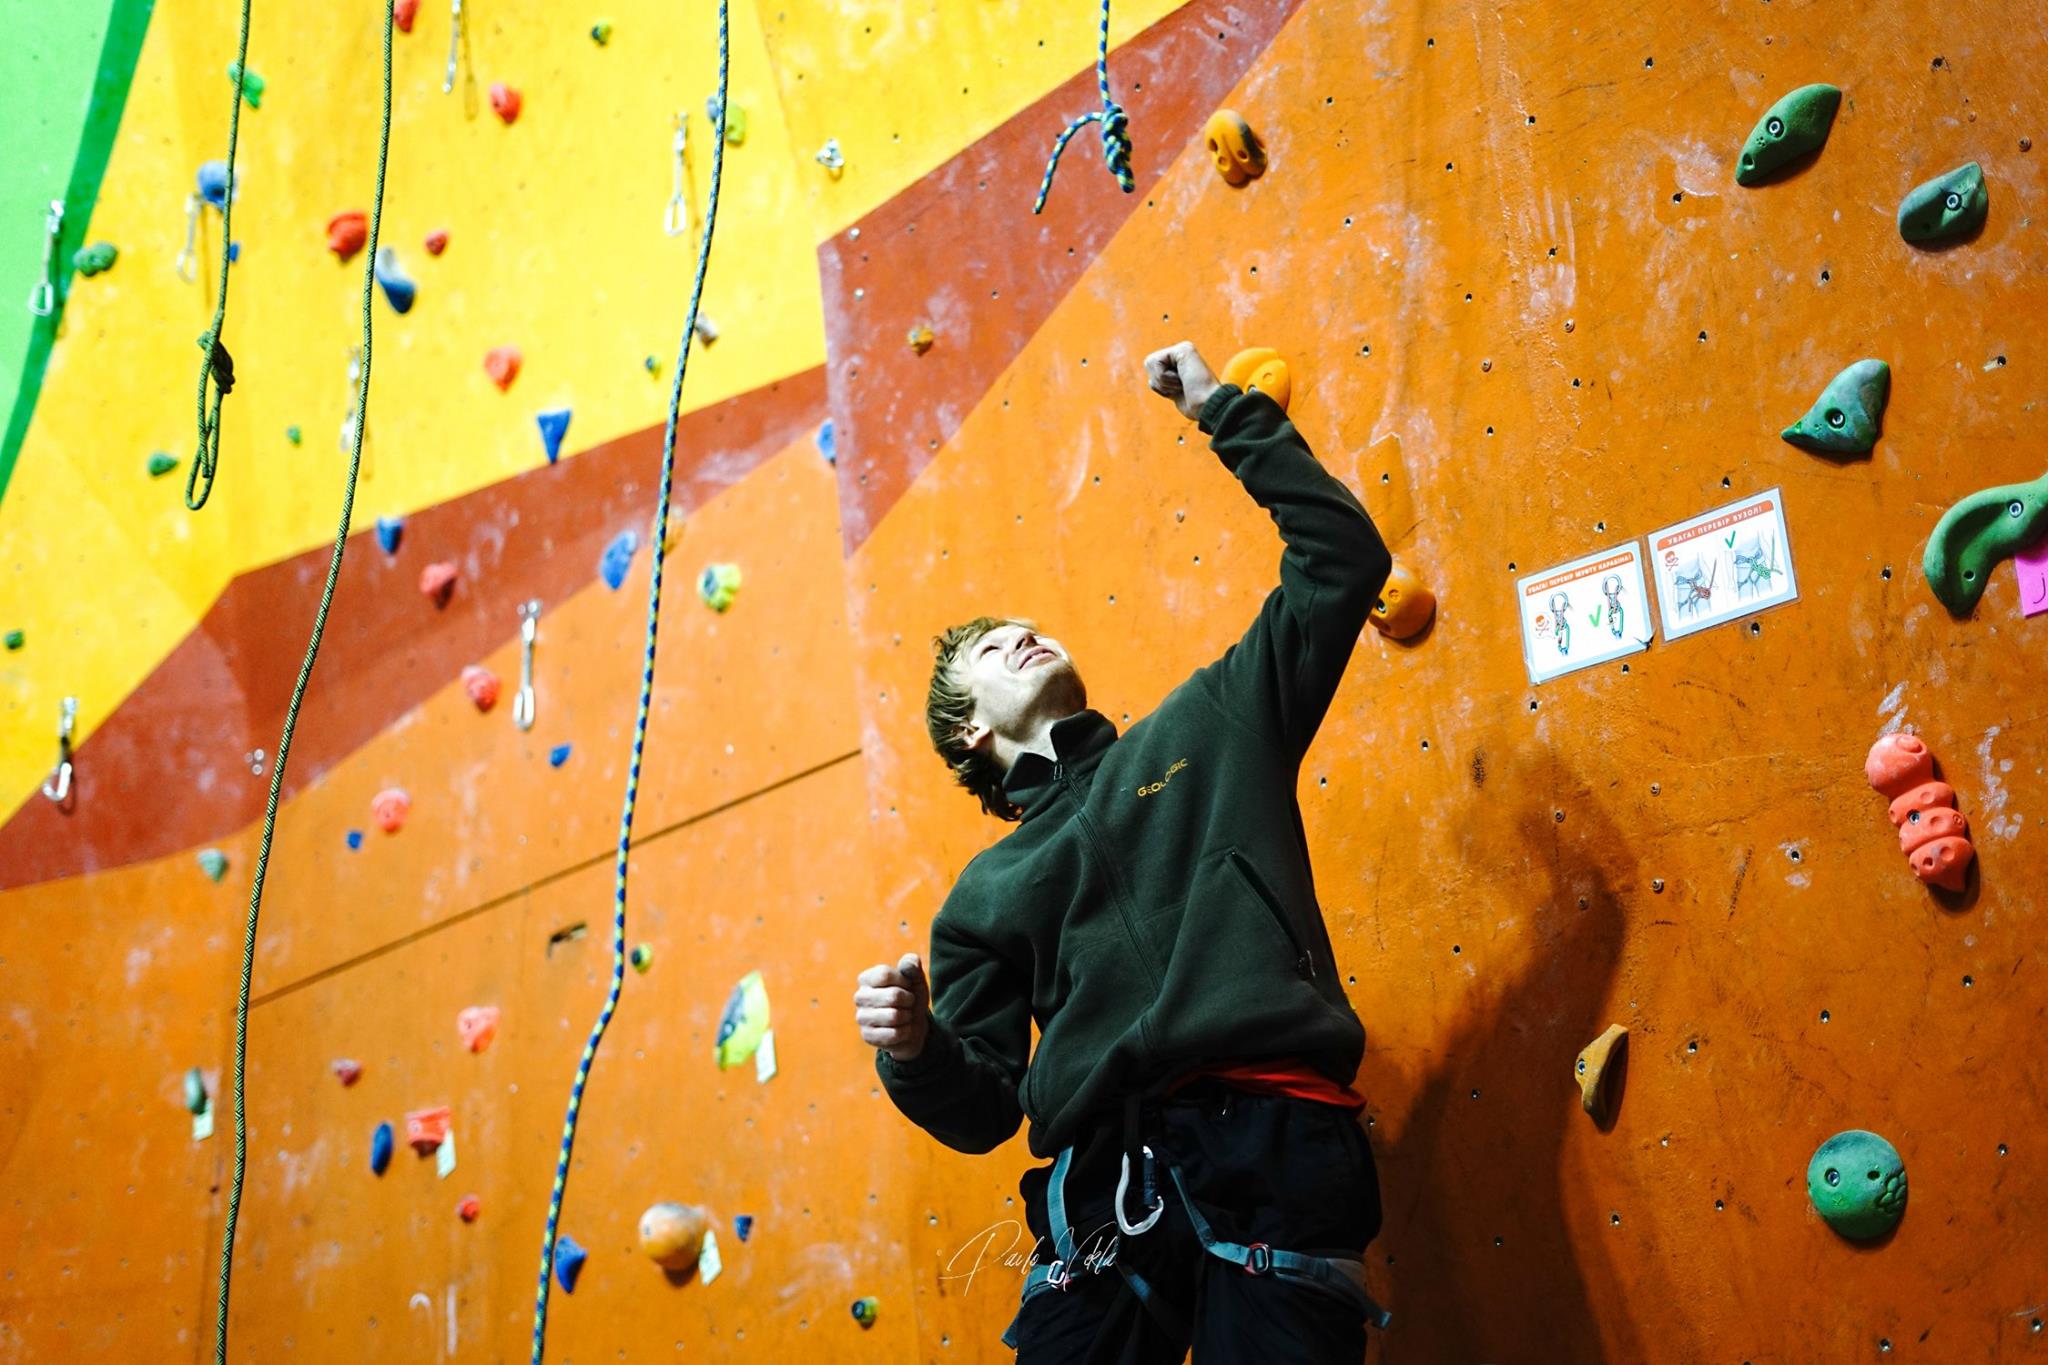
pixel 397 285
pixel 553 427
pixel 558 755
pixel 355 838
pixel 234 252
pixel 618 557
pixel 389 529
pixel 213 183
pixel 380 1149
pixel 569 1259
pixel 742 1224
pixel 826 445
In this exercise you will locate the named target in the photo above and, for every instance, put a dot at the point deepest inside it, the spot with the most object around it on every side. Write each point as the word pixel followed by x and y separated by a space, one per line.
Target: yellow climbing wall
pixel 1530 316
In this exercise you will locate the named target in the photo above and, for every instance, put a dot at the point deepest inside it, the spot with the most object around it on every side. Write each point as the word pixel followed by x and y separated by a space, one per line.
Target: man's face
pixel 1018 677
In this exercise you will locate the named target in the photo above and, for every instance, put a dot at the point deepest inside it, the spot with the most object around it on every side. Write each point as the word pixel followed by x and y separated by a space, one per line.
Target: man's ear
pixel 974 734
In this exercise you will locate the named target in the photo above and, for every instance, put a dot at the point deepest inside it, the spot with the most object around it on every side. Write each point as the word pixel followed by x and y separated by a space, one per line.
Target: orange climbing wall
pixel 1530 316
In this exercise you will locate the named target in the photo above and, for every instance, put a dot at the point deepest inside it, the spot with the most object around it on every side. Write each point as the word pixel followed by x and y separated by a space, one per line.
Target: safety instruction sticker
pixel 1723 564
pixel 1584 613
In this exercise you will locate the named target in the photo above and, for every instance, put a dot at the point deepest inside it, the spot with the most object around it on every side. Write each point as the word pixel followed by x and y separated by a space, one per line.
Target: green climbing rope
pixel 291 714
pixel 217 371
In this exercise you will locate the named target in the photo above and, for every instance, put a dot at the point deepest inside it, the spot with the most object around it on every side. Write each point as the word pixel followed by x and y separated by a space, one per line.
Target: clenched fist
pixel 894 1007
pixel 1180 373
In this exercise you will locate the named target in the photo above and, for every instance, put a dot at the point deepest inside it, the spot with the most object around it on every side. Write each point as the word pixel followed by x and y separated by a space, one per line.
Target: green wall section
pixel 66 69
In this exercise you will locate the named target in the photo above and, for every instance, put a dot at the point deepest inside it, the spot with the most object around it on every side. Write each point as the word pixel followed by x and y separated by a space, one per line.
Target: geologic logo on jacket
pixel 1152 787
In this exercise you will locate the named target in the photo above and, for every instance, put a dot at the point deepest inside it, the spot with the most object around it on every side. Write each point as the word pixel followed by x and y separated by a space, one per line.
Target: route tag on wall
pixel 1583 613
pixel 1723 564
pixel 2031 564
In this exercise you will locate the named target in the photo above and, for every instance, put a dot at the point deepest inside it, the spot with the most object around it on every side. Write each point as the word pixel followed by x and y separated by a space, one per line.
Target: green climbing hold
pixel 1951 205
pixel 1846 417
pixel 91 260
pixel 1791 128
pixel 252 84
pixel 1976 533
pixel 213 863
pixel 1858 1184
pixel 161 464
pixel 292 434
pixel 195 1090
pixel 15 639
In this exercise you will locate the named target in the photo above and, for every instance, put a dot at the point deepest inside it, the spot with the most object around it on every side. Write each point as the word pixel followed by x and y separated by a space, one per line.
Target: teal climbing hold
pixel 15 639
pixel 1951 205
pixel 1858 1184
pixel 293 434
pixel 213 863
pixel 1979 531
pixel 398 286
pixel 91 260
pixel 252 84
pixel 161 464
pixel 553 427
pixel 1793 127
pixel 195 1090
pixel 1846 418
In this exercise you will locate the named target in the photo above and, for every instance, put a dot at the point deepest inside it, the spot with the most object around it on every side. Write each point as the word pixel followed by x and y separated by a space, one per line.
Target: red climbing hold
pixel 346 233
pixel 389 809
pixel 482 686
pixel 476 1026
pixel 1933 834
pixel 469 1208
pixel 437 582
pixel 504 101
pixel 427 1129
pixel 437 241
pixel 347 1070
pixel 403 12
pixel 501 363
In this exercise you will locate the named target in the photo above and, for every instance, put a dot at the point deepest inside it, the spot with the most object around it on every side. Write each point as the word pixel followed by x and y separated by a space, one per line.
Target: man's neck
pixel 1038 741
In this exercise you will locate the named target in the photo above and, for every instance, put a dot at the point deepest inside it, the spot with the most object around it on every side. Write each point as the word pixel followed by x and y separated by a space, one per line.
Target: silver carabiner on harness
pixel 1123 1184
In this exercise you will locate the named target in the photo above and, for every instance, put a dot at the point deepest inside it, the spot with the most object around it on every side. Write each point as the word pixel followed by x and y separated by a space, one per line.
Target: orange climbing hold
pixel 1404 605
pixel 1598 1070
pixel 1239 155
pixel 921 338
pixel 346 233
pixel 389 809
pixel 673 1234
pixel 1260 368
pixel 1933 834
pixel 469 1208
pixel 437 241
pixel 505 101
pixel 501 363
pixel 481 685
pixel 476 1026
pixel 403 12
pixel 427 1129
pixel 437 582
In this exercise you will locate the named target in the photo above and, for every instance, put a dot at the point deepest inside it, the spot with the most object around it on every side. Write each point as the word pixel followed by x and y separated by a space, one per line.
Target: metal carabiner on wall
pixel 676 221
pixel 529 627
pixel 58 786
pixel 42 300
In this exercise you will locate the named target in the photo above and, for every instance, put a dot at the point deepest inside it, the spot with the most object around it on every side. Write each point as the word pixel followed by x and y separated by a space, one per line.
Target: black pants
pixel 1295 1174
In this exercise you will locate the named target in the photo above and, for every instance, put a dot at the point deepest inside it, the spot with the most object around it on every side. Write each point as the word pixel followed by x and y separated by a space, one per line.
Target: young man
pixel 1155 915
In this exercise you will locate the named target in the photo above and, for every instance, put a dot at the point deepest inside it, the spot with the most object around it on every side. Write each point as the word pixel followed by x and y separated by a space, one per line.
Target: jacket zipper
pixel 1059 772
pixel 1304 961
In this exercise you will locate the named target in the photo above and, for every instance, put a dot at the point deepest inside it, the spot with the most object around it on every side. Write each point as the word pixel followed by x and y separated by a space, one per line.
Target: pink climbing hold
pixel 437 582
pixel 504 101
pixel 476 1026
pixel 469 1208
pixel 403 12
pixel 347 1070
pixel 501 363
pixel 437 241
pixel 346 233
pixel 389 809
pixel 427 1129
pixel 482 686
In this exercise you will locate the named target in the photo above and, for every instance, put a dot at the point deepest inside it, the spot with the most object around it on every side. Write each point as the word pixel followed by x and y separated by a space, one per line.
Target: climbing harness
pixel 659 540
pixel 291 713
pixel 1343 1276
pixel 217 372
pixel 1116 137
pixel 42 300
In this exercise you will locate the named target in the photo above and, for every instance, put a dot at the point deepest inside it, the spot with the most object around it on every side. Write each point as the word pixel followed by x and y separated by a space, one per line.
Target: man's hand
pixel 1180 373
pixel 894 1007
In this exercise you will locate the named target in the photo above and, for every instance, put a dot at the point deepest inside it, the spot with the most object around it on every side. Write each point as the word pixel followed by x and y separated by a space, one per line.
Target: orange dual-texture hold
pixel 1261 368
pixel 1404 606
pixel 427 1129
pixel 1239 155
pixel 1933 834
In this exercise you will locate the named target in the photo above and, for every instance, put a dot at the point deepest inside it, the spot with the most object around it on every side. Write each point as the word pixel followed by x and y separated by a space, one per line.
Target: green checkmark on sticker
pixel 1730 541
pixel 1593 617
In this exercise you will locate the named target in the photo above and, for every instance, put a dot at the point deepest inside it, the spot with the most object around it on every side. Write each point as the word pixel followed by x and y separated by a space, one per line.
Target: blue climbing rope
pixel 659 539
pixel 291 712
pixel 1116 125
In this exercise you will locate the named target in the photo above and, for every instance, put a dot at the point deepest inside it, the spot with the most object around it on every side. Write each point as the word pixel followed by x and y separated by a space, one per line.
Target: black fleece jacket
pixel 1154 911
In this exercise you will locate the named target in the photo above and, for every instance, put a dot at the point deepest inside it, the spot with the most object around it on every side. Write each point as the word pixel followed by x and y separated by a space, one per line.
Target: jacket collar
pixel 1079 740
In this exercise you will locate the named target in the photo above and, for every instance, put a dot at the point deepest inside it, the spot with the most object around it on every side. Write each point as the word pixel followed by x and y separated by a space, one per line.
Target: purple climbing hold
pixel 558 755
pixel 618 557
pixel 828 446
pixel 569 1259
pixel 389 529
pixel 213 183
pixel 742 1224
pixel 553 427
pixel 355 838
pixel 380 1149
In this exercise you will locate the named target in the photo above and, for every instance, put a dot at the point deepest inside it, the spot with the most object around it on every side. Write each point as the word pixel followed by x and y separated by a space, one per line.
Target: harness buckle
pixel 1058 1275
pixel 1259 1259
